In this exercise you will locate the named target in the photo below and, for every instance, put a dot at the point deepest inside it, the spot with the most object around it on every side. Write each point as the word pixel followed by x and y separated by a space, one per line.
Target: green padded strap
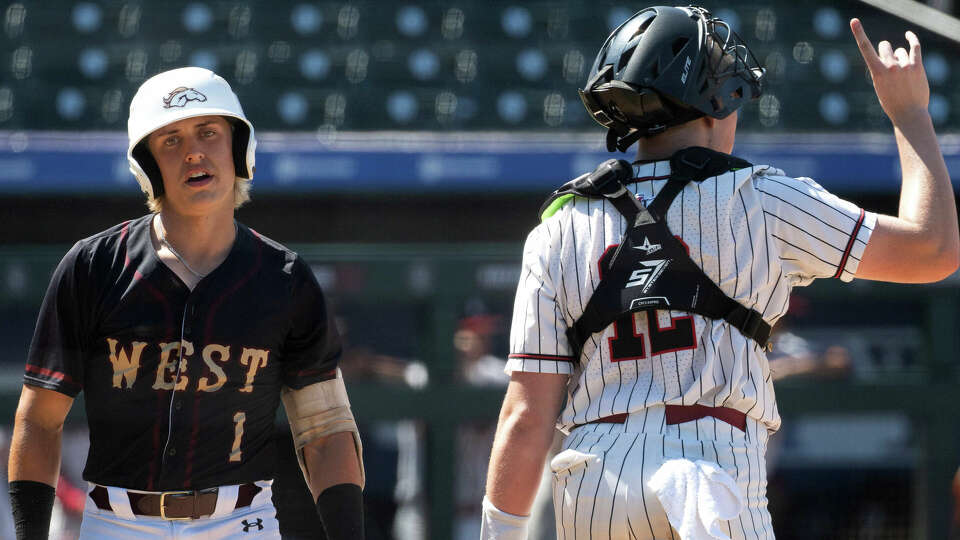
pixel 555 206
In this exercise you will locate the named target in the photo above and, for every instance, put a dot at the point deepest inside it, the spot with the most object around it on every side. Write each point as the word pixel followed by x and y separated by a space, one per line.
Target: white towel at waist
pixel 697 496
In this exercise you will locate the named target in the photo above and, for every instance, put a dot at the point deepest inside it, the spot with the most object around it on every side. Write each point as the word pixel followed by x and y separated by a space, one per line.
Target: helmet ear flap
pixel 241 140
pixel 149 166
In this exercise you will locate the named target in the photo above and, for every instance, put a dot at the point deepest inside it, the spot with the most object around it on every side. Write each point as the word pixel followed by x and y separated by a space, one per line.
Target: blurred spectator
pixel 476 366
pixel 793 354
pixel 394 496
pixel 955 525
pixel 362 363
pixel 69 508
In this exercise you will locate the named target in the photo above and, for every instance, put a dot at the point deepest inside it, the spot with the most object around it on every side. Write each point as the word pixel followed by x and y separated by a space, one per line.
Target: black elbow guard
pixel 341 511
pixel 32 504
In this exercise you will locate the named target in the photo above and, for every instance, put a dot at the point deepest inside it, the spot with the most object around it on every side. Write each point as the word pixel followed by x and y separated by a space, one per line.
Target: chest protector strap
pixel 651 268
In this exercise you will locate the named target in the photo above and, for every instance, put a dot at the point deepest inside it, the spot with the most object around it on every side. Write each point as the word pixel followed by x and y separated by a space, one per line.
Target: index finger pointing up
pixel 866 48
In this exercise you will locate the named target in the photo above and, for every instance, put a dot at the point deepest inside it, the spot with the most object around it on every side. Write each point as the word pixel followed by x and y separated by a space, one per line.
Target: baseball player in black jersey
pixel 185 330
pixel 649 289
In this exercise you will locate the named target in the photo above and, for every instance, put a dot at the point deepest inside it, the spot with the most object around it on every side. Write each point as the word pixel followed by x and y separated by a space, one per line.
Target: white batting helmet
pixel 181 93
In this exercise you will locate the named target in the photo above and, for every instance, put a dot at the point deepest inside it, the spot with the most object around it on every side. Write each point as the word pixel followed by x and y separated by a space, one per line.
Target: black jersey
pixel 116 322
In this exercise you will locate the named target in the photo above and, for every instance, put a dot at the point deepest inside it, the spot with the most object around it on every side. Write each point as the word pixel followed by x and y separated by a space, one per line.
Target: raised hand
pixel 898 76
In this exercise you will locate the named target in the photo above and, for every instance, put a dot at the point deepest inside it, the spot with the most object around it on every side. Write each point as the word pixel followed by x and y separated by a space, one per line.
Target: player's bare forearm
pixel 332 460
pixel 921 243
pixel 524 434
pixel 516 464
pixel 926 197
pixel 34 453
pixel 37 432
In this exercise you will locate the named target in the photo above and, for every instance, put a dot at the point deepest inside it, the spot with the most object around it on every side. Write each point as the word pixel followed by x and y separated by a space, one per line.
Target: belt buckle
pixel 163 513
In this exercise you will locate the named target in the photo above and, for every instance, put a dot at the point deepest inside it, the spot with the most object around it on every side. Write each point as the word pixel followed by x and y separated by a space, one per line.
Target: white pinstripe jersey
pixel 755 232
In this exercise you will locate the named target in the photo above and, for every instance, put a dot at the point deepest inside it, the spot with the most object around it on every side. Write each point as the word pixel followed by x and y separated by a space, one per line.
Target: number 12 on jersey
pixel 628 341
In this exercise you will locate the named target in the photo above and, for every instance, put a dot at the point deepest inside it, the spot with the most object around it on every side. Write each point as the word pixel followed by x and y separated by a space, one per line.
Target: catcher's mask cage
pixel 172 96
pixel 666 66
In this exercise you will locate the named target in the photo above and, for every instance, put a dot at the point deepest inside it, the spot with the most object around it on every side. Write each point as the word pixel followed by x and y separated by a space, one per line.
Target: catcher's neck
pixel 712 133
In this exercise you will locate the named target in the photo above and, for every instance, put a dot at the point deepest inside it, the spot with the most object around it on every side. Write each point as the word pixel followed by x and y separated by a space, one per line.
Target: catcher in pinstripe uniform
pixel 649 289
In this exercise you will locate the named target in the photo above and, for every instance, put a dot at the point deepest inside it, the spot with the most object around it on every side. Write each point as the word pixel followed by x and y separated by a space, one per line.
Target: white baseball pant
pixel 601 476
pixel 257 521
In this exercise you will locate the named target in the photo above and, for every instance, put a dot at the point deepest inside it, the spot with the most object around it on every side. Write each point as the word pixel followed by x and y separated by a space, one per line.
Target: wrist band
pixel 32 504
pixel 501 525
pixel 341 510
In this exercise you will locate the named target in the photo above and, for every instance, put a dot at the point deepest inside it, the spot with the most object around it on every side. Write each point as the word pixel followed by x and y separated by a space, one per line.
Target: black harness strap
pixel 651 269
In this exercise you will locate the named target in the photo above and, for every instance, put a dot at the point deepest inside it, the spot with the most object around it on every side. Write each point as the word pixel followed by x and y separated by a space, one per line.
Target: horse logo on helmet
pixel 180 96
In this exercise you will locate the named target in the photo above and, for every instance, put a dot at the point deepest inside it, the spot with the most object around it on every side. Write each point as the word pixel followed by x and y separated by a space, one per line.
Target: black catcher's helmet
pixel 665 66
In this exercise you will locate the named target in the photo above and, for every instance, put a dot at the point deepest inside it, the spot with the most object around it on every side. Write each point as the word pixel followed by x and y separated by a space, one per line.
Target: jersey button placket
pixel 189 317
pixel 176 420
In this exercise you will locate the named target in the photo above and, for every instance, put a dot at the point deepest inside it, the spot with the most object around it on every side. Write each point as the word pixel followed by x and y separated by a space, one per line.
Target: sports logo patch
pixel 180 96
pixel 647 274
pixel 686 71
pixel 258 524
pixel 649 302
pixel 647 247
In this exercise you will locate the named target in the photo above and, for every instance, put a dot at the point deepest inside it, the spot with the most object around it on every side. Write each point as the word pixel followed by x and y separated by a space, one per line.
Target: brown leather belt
pixel 678 414
pixel 175 504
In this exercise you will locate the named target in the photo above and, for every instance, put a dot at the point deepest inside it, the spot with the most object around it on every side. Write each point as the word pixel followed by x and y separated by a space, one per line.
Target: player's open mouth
pixel 199 178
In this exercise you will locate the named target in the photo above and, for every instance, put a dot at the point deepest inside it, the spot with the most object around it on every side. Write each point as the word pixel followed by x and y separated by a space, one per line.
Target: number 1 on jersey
pixel 238 419
pixel 627 342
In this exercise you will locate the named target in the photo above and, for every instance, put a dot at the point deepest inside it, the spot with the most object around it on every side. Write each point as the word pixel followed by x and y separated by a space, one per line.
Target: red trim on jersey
pixel 853 238
pixel 673 326
pixel 656 320
pixel 602 257
pixel 123 236
pixel 529 356
pixel 682 243
pixel 50 374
